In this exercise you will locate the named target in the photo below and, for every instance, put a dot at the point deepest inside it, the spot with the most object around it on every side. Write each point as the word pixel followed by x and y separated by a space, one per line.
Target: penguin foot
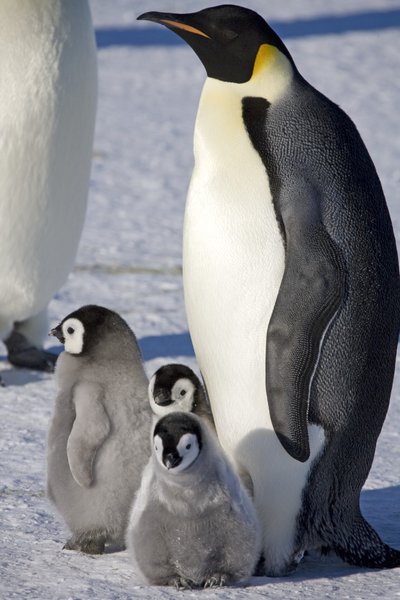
pixel 217 580
pixel 284 569
pixel 86 545
pixel 21 353
pixel 181 584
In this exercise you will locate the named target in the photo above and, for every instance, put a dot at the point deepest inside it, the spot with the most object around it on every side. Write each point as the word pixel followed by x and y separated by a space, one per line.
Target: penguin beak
pixel 178 23
pixel 171 460
pixel 162 398
pixel 57 332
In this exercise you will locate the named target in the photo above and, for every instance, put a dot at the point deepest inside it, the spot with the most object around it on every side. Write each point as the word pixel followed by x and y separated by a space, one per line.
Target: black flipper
pixel 310 294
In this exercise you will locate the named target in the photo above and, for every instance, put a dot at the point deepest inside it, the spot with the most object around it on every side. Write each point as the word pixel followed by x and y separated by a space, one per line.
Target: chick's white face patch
pixel 73 332
pixel 182 394
pixel 187 450
pixel 158 449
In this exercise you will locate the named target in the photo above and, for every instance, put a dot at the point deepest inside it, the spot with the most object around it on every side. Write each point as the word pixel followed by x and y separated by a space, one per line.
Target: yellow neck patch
pixel 265 55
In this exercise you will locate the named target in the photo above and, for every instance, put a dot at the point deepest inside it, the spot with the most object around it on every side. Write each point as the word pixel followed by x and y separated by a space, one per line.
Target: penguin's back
pixel 307 138
pixel 119 461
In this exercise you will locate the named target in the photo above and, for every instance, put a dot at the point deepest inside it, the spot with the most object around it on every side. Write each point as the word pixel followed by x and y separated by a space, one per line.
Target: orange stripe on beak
pixel 189 28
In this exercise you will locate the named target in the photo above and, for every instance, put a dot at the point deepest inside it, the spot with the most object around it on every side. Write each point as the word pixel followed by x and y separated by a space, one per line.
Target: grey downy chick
pixel 192 523
pixel 98 443
pixel 176 387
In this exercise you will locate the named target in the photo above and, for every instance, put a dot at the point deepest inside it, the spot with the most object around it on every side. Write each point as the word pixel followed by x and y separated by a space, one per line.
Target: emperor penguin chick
pixel 176 387
pixel 192 523
pixel 98 438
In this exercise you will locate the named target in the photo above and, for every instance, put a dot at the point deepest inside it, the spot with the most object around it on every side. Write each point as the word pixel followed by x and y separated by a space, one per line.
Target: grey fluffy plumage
pixel 197 527
pixel 98 441
pixel 165 388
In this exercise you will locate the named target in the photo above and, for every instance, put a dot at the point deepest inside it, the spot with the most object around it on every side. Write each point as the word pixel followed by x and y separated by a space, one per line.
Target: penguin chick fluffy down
pixel 192 522
pixel 98 442
pixel 176 388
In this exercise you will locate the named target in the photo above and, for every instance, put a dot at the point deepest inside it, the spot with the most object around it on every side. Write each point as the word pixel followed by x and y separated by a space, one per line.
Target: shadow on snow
pixel 321 25
pixel 174 344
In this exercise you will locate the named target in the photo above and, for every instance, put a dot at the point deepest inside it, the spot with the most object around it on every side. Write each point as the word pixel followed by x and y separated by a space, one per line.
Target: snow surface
pixel 130 260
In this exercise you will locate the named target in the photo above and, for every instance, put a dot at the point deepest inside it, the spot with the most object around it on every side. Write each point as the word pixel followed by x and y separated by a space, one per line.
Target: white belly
pixel 48 102
pixel 233 266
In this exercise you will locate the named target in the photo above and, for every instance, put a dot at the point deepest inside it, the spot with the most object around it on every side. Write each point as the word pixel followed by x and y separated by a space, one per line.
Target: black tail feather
pixel 363 547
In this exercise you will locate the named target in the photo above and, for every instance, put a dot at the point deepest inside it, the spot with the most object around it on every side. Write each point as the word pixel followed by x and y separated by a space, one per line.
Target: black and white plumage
pixel 176 388
pixel 98 442
pixel 192 523
pixel 292 288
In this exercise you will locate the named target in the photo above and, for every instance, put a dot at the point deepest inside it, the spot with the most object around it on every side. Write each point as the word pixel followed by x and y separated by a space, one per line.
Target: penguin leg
pixel 24 344
pixel 331 516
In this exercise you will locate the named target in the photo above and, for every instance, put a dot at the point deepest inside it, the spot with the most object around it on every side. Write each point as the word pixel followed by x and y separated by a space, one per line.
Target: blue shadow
pixel 381 507
pixel 323 25
pixel 174 344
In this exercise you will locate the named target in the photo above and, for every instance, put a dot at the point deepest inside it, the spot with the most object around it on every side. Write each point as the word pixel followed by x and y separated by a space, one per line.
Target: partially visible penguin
pixel 291 284
pixel 48 91
pixel 174 388
pixel 192 523
pixel 98 441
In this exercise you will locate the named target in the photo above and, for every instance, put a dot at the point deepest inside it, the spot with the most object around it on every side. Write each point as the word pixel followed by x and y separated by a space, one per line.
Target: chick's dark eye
pixel 182 392
pixel 70 330
pixel 188 446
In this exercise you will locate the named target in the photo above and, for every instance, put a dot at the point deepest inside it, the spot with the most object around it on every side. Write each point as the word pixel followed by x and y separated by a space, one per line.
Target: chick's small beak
pixel 172 460
pixel 57 332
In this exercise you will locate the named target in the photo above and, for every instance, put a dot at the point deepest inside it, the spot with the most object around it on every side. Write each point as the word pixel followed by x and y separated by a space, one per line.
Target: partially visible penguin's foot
pixel 86 545
pixel 21 353
pixel 216 580
pixel 181 584
pixel 284 569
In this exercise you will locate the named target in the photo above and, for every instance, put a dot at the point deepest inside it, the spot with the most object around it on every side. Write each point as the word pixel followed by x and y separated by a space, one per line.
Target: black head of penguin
pixel 226 38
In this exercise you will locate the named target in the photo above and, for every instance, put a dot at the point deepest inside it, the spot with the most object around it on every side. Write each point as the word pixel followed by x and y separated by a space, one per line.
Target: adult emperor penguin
pixel 48 90
pixel 291 287
pixel 192 522
pixel 98 442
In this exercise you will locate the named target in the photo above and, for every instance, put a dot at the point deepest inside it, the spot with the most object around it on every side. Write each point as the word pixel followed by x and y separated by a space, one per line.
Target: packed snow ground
pixel 130 260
